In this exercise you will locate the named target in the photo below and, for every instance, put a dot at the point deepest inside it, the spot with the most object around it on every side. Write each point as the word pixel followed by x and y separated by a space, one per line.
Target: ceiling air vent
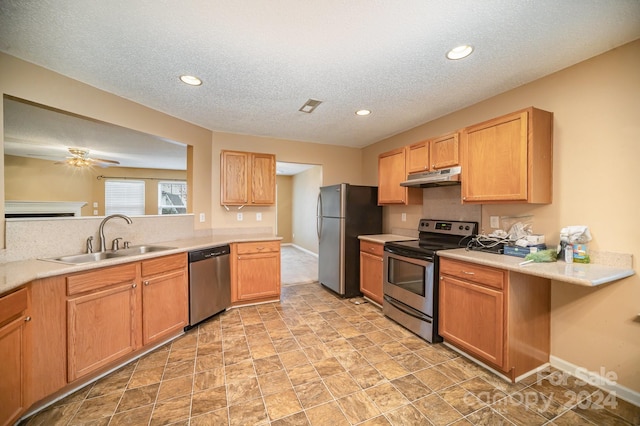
pixel 309 106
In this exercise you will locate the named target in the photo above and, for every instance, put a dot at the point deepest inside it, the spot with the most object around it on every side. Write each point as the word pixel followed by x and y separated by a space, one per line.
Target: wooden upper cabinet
pixel 391 171
pixel 247 178
pixel 234 177
pixel 444 151
pixel 418 157
pixel 263 179
pixel 433 154
pixel 509 159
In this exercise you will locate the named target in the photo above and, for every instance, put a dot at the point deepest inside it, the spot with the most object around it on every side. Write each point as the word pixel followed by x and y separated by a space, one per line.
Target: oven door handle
pixel 407 255
pixel 407 310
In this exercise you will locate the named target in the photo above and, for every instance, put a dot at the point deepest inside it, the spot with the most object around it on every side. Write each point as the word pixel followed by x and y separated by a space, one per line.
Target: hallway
pixel 297 266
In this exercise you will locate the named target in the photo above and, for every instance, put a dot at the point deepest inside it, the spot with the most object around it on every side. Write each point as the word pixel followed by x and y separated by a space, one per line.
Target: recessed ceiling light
pixel 191 80
pixel 460 52
pixel 363 112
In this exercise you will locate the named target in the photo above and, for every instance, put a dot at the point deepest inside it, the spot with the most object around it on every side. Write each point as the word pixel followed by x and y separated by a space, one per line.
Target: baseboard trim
pixel 597 379
pixel 301 249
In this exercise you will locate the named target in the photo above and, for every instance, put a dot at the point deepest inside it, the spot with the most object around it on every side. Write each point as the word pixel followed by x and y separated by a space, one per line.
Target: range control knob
pixel 466 228
pixel 461 227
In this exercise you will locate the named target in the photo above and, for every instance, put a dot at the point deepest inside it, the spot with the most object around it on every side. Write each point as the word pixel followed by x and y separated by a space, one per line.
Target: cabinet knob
pixel 27 319
pixel 146 283
pixel 134 285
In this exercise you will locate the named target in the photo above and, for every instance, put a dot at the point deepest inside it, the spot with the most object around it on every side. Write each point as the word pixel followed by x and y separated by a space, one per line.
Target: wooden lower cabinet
pixel 101 318
pixel 255 272
pixel 371 270
pixel 13 353
pixel 499 317
pixel 473 317
pixel 165 297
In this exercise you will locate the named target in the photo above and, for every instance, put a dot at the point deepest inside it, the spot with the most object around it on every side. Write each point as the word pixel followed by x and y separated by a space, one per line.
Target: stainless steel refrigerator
pixel 345 211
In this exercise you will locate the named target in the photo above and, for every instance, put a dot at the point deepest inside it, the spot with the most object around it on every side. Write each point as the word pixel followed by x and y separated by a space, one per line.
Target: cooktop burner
pixel 437 235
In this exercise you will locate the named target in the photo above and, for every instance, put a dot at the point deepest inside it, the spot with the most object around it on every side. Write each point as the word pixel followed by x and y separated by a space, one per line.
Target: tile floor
pixel 315 359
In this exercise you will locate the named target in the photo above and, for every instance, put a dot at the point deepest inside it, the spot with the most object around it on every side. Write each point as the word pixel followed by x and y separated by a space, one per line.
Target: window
pixel 124 197
pixel 172 197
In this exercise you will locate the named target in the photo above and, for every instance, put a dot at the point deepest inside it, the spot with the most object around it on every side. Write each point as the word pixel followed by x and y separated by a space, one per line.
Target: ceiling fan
pixel 80 158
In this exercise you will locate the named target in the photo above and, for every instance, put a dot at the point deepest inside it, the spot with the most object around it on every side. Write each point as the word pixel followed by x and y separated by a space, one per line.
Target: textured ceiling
pixel 261 60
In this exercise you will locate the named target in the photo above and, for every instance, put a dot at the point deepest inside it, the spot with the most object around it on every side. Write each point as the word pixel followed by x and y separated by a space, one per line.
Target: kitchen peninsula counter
pixel 18 273
pixel 590 275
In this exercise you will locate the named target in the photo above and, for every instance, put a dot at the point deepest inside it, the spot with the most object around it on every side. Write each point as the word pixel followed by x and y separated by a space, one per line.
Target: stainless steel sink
pixel 78 259
pixel 132 251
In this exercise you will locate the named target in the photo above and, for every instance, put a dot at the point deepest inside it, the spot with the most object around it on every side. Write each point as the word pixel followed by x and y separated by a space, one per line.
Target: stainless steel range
pixel 410 284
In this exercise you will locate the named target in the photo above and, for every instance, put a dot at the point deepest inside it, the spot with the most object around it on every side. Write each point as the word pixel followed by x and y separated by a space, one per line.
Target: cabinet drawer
pixel 375 249
pixel 99 278
pixel 480 274
pixel 258 247
pixel 163 264
pixel 12 305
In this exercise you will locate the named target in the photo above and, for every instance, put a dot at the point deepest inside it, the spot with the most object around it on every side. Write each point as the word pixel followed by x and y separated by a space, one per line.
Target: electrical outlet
pixel 95 204
pixel 239 217
pixel 202 217
pixel 404 217
pixel 95 212
pixel 494 222
pixel 258 217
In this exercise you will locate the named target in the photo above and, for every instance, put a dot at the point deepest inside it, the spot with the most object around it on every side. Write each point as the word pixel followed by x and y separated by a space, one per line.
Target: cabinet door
pixel 257 276
pixel 495 160
pixel 101 328
pixel 13 354
pixel 371 276
pixel 418 157
pixel 12 369
pixel 234 177
pixel 391 171
pixel 472 317
pixel 444 151
pixel 263 179
pixel 165 305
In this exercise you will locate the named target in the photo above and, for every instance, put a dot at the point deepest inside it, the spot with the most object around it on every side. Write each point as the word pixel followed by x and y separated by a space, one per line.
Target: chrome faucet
pixel 103 244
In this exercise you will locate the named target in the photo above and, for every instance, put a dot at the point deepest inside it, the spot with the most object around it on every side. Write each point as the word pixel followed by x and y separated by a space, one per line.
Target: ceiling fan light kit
pixel 80 158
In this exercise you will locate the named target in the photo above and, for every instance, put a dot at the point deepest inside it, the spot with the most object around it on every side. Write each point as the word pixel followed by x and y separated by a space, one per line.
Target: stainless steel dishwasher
pixel 209 283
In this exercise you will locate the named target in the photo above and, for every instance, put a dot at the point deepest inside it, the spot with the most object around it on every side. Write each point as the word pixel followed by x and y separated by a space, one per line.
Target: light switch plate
pixel 202 217
pixel 404 217
pixel 258 217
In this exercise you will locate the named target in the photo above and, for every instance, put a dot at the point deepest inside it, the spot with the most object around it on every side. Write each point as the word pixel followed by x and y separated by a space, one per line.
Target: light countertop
pixel 575 273
pixel 16 274
pixel 385 238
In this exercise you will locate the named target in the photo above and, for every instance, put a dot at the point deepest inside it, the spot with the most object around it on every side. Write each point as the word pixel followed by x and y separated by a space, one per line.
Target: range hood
pixel 443 177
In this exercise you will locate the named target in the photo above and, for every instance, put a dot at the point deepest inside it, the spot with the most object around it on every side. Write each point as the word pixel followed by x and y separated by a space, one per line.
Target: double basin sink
pixel 78 259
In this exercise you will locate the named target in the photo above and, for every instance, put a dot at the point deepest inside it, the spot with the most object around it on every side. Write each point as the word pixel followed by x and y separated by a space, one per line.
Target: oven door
pixel 410 281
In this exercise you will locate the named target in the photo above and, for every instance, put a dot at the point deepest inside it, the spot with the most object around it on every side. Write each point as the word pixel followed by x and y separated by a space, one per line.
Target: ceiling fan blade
pixel 103 160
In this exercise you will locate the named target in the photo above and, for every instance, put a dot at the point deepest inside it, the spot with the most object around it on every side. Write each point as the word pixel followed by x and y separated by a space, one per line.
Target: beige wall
pixel 596 106
pixel 30 179
pixel 284 204
pixel 306 186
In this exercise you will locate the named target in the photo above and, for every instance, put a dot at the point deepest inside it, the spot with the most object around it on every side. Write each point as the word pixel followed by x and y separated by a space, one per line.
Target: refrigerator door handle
pixel 319 215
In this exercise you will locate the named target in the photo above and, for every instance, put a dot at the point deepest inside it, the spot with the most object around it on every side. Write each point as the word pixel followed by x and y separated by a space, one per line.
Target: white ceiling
pixel 261 60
